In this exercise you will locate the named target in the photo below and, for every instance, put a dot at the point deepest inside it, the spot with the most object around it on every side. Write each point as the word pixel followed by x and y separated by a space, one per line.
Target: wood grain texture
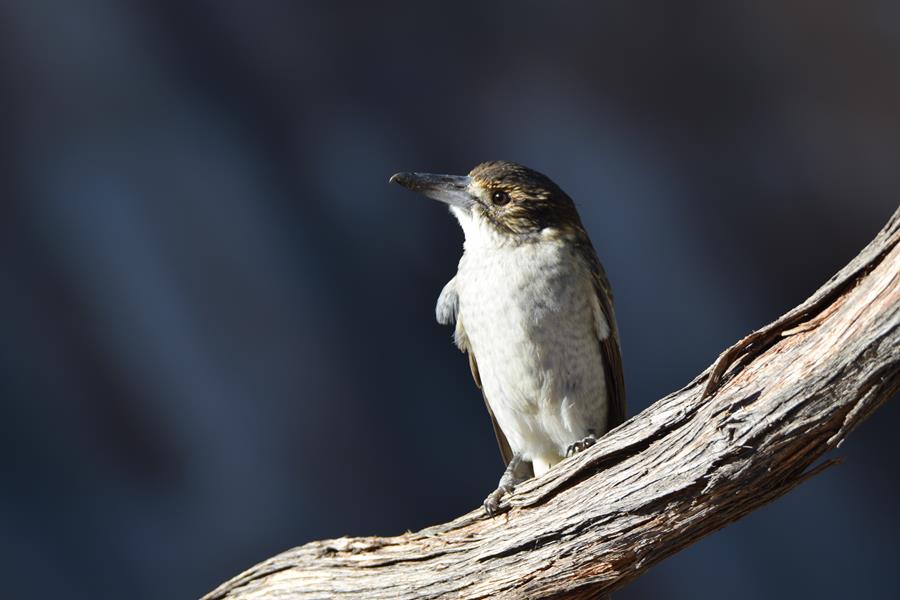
pixel 741 434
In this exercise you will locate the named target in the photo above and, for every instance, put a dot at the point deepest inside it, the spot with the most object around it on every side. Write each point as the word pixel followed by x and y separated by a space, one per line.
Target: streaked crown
pixel 520 200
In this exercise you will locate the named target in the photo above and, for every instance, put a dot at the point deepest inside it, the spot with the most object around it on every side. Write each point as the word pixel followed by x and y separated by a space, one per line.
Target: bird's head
pixel 500 201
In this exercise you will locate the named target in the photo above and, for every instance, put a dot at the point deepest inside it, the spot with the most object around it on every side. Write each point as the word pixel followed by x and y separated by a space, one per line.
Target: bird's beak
pixel 449 189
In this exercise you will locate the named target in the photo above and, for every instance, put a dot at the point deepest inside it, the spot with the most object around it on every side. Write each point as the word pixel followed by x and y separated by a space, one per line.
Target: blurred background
pixel 218 338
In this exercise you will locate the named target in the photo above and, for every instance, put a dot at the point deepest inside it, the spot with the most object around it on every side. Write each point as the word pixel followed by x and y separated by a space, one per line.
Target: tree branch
pixel 741 434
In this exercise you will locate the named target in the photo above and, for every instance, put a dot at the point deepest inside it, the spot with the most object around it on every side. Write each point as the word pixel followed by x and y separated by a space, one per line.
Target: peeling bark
pixel 743 433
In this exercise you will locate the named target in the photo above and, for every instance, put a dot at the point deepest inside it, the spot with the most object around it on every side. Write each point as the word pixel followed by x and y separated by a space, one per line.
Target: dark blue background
pixel 218 338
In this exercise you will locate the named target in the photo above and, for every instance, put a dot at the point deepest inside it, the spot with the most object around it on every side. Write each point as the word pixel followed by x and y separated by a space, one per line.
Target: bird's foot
pixel 517 471
pixel 581 445
pixel 492 502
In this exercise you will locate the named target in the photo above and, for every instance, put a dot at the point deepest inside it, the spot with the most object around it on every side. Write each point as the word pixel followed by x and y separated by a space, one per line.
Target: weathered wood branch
pixel 742 433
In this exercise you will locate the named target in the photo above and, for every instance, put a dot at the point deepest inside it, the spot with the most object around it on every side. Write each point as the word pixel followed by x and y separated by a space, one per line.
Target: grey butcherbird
pixel 534 311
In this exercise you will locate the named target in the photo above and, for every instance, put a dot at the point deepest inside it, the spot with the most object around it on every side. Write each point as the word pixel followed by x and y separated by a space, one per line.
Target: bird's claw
pixel 581 445
pixel 492 502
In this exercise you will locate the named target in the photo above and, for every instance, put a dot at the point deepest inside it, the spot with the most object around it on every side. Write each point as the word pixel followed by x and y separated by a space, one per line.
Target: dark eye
pixel 499 198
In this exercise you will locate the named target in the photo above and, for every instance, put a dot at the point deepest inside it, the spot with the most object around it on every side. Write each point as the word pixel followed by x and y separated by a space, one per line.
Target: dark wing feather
pixel 505 450
pixel 609 347
pixel 462 342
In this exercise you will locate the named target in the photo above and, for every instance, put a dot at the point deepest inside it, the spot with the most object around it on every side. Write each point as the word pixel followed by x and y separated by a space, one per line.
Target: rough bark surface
pixel 741 434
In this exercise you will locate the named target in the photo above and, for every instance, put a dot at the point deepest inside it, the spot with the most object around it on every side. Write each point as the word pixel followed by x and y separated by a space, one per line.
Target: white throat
pixel 479 233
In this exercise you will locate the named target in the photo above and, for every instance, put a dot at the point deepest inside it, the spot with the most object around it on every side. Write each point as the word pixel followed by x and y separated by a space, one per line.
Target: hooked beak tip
pixel 399 179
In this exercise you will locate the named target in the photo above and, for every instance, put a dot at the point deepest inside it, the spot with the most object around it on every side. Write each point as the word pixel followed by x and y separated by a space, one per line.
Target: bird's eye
pixel 499 198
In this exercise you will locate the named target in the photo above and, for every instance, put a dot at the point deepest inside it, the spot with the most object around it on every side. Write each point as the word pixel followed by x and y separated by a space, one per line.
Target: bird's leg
pixel 583 444
pixel 517 471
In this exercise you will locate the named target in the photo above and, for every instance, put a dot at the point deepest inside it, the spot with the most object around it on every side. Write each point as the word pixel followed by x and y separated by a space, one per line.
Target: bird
pixel 532 307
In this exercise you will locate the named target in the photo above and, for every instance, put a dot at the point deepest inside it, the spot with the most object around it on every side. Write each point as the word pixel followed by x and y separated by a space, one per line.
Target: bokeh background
pixel 218 338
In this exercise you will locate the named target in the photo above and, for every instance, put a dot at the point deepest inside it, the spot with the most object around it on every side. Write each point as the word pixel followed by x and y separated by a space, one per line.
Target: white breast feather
pixel 532 319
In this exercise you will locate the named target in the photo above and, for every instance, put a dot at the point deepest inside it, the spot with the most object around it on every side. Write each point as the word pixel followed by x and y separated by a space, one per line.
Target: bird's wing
pixel 462 341
pixel 446 312
pixel 608 335
pixel 505 450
